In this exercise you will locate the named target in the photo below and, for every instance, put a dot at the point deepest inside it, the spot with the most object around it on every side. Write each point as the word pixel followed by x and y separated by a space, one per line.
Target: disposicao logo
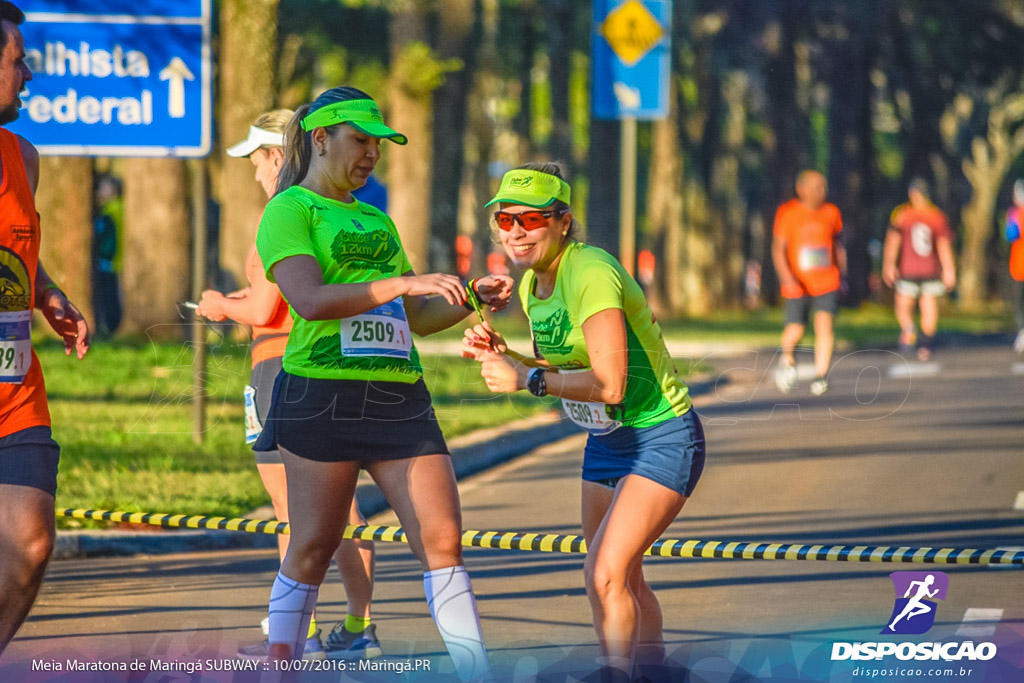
pixel 912 614
pixel 914 610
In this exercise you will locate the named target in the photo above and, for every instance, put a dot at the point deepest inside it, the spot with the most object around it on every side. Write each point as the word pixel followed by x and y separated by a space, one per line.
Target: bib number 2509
pixel 383 331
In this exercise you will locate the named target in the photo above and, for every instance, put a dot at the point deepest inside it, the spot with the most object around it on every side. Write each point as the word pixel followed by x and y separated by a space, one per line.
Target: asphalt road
pixel 898 453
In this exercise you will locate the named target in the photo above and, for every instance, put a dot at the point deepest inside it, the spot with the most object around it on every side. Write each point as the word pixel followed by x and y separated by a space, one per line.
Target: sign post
pixel 126 78
pixel 631 43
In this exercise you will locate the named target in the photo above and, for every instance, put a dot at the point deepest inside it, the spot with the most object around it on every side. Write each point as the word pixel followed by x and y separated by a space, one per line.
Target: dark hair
pixel 298 144
pixel 557 169
pixel 9 12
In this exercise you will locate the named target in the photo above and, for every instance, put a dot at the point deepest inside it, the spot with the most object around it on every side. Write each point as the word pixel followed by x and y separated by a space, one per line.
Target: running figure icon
pixel 919 591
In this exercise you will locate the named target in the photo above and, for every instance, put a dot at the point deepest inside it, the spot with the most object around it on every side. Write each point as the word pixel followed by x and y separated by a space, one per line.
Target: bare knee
pixel 307 561
pixel 603 579
pixel 442 547
pixel 28 553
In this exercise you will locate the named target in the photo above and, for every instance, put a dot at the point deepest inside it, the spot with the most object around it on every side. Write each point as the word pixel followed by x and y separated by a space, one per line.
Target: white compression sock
pixel 453 607
pixel 291 607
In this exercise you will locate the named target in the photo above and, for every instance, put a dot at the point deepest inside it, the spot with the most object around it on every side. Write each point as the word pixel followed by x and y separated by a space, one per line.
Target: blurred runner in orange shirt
pixel 810 261
pixel 1014 228
pixel 917 261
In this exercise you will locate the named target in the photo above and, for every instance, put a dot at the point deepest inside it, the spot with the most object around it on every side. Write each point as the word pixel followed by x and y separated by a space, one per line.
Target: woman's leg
pixel 423 494
pixel 274 482
pixel 639 512
pixel 325 491
pixel 355 564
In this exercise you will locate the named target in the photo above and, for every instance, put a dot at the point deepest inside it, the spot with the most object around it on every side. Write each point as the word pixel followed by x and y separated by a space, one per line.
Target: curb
pixel 471 453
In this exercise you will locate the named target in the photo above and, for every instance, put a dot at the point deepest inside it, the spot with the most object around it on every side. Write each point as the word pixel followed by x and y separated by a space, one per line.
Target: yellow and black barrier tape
pixel 568 543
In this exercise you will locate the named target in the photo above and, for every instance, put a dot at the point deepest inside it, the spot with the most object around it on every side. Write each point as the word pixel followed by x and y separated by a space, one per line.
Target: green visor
pixel 363 115
pixel 531 188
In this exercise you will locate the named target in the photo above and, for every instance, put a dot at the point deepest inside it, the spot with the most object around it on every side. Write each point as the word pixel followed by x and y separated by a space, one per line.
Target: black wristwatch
pixel 535 383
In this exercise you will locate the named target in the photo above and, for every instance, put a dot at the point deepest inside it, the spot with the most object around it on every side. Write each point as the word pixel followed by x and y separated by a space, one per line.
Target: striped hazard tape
pixel 568 543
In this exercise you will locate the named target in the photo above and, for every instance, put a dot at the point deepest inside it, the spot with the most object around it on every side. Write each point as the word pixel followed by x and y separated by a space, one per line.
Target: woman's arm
pixel 302 283
pixel 254 305
pixel 605 334
pixel 430 315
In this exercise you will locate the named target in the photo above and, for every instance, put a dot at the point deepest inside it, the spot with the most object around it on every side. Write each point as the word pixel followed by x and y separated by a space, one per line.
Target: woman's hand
pixel 210 306
pixel 481 340
pixel 502 374
pixel 494 290
pixel 448 286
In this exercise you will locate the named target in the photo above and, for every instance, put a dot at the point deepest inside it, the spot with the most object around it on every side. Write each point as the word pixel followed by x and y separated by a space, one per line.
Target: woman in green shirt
pixel 351 393
pixel 599 348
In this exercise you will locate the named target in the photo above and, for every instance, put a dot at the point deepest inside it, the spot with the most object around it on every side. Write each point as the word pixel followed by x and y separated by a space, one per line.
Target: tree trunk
pixel 991 159
pixel 851 160
pixel 457 19
pixel 156 247
pixel 64 202
pixel 558 18
pixel 665 209
pixel 409 112
pixel 248 62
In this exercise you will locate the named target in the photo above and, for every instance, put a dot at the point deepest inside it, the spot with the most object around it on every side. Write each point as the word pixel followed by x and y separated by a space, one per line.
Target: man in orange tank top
pixel 28 453
pixel 810 262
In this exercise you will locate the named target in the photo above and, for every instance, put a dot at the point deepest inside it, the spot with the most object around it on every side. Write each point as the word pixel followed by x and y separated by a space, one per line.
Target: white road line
pixel 1019 503
pixel 979 622
pixel 914 369
pixel 1017 368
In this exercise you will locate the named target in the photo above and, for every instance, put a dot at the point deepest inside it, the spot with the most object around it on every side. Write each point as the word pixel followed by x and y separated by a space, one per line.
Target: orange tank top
pixel 268 341
pixel 22 392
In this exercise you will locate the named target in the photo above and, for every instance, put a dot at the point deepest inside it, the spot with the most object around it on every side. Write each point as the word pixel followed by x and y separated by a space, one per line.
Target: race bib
pixel 814 258
pixel 596 418
pixel 921 239
pixel 15 346
pixel 383 331
pixel 253 426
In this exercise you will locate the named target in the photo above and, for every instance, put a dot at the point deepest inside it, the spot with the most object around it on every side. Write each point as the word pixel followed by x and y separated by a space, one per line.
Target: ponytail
pixel 298 149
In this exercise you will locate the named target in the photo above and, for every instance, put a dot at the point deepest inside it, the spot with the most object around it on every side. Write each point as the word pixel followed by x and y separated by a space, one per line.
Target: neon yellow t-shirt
pixel 352 243
pixel 590 280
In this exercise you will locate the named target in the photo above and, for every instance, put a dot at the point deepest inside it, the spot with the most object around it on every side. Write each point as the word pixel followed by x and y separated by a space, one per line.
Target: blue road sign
pixel 631 43
pixel 118 78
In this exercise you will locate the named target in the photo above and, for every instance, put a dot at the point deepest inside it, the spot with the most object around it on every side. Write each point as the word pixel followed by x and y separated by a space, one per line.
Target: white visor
pixel 258 137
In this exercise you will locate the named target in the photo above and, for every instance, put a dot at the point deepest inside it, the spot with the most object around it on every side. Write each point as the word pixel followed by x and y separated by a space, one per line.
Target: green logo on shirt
pixel 365 250
pixel 551 333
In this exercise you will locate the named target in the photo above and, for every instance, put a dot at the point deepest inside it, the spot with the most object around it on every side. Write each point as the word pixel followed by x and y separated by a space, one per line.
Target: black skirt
pixel 336 420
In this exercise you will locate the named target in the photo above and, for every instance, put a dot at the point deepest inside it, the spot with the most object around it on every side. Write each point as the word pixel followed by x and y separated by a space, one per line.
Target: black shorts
pixel 798 310
pixel 29 458
pixel 336 420
pixel 263 376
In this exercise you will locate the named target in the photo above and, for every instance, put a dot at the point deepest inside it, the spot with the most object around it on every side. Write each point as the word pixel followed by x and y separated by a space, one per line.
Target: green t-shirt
pixel 590 280
pixel 352 243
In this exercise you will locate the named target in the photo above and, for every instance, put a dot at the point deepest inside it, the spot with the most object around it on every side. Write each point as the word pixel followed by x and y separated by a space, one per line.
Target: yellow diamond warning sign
pixel 631 31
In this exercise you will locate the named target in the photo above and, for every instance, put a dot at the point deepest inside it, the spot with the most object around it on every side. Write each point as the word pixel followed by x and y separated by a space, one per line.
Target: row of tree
pixel 872 92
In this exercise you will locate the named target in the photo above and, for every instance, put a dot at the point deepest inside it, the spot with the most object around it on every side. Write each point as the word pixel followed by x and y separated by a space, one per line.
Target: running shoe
pixel 785 378
pixel 343 644
pixel 260 651
pixel 819 386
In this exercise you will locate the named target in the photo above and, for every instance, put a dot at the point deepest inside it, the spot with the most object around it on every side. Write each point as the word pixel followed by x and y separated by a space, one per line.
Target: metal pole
pixel 199 201
pixel 627 195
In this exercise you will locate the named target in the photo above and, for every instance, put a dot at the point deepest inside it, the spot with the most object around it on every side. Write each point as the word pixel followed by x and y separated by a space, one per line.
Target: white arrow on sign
pixel 176 73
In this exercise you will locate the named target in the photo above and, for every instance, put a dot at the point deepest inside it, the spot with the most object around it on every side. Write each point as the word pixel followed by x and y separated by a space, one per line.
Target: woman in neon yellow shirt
pixel 351 393
pixel 599 348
